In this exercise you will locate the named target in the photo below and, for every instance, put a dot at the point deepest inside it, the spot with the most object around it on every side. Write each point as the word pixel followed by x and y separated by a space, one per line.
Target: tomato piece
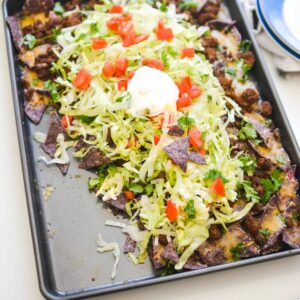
pixel 187 52
pixel 184 101
pixel 108 69
pixel 202 152
pixel 113 24
pixel 195 91
pixel 185 86
pixel 160 25
pixel 171 211
pixel 140 38
pixel 122 85
pixel 129 195
pixel 153 63
pixel 218 187
pixel 125 28
pixel 98 43
pixel 66 121
pixel 125 17
pixel 156 139
pixel 82 79
pixel 128 40
pixel 195 138
pixel 164 34
pixel 116 9
pixel 130 74
pixel 121 66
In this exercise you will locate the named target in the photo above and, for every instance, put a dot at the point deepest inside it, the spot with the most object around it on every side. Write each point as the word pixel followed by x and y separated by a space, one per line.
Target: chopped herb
pixel 188 4
pixel 81 37
pixel 246 68
pixel 230 71
pixel 149 189
pixel 167 270
pixel 296 215
pixel 30 41
pixel 58 9
pixel 249 164
pixel 190 209
pixel 213 174
pixel 236 251
pixel 247 132
pixel 209 98
pixel 94 28
pixel 86 119
pixel 250 193
pixel 245 46
pixel 52 87
pixel 271 185
pixel 204 77
pixel 282 218
pixel 265 232
pixel 163 7
pixel 137 188
pixel 185 122
pixel 55 33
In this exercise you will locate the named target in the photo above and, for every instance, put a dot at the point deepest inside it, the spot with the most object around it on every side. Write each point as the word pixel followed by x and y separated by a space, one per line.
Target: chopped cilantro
pixel 52 87
pixel 213 174
pixel 230 71
pixel 236 251
pixel 167 270
pixel 209 98
pixel 245 46
pixel 86 119
pixel 247 132
pixel 186 122
pixel 30 41
pixel 163 7
pixel 94 28
pixel 249 164
pixel 58 9
pixel 271 185
pixel 149 189
pixel 188 4
pixel 190 209
pixel 265 232
pixel 55 33
pixel 250 192
pixel 137 188
pixel 80 37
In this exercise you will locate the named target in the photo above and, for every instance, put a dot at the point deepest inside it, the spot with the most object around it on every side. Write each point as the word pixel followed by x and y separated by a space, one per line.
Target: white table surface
pixel 18 277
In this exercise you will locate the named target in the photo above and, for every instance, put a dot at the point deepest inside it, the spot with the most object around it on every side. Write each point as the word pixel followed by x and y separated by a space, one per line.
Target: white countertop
pixel 18 278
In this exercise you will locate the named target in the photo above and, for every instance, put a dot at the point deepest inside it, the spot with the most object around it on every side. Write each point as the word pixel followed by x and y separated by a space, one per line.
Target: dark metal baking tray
pixel 65 227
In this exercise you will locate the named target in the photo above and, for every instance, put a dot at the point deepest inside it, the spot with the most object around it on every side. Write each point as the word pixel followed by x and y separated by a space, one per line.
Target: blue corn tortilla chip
pixel 119 203
pixel 55 128
pixel 178 152
pixel 36 6
pixel 34 112
pixel 155 253
pixel 15 29
pixel 176 131
pixel 93 158
pixel 194 263
pixel 170 253
pixel 129 245
pixel 197 158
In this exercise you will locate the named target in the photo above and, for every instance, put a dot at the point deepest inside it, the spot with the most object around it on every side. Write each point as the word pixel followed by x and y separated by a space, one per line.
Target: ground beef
pixel 248 58
pixel 248 97
pixel 210 41
pixel 73 19
pixel 211 54
pixel 266 108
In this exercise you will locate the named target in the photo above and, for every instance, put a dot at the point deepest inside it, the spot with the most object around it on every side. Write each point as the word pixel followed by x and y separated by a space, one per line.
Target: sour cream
pixel 152 90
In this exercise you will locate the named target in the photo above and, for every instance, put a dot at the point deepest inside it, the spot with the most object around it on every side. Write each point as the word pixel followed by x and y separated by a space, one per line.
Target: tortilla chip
pixel 170 253
pixel 291 236
pixel 34 112
pixel 35 6
pixel 211 253
pixel 93 158
pixel 197 158
pixel 119 203
pixel 155 253
pixel 178 152
pixel 129 245
pixel 15 29
pixel 176 131
pixel 55 128
pixel 194 263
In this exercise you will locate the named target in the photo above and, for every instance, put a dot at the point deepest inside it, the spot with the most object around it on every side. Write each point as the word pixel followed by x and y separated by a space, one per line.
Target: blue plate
pixel 271 15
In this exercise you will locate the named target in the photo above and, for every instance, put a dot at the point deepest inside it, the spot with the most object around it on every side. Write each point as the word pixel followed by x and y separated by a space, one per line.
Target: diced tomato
pixel 160 25
pixel 187 52
pixel 184 101
pixel 66 121
pixel 156 139
pixel 108 69
pixel 113 24
pixel 122 85
pixel 130 74
pixel 140 38
pixel 171 211
pixel 153 63
pixel 202 152
pixel 98 43
pixel 185 86
pixel 116 9
pixel 129 195
pixel 125 28
pixel 164 34
pixel 195 138
pixel 218 187
pixel 128 39
pixel 121 66
pixel 82 80
pixel 125 18
pixel 195 91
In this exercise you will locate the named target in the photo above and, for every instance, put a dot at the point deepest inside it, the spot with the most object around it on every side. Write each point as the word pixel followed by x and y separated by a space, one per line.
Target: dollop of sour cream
pixel 152 90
